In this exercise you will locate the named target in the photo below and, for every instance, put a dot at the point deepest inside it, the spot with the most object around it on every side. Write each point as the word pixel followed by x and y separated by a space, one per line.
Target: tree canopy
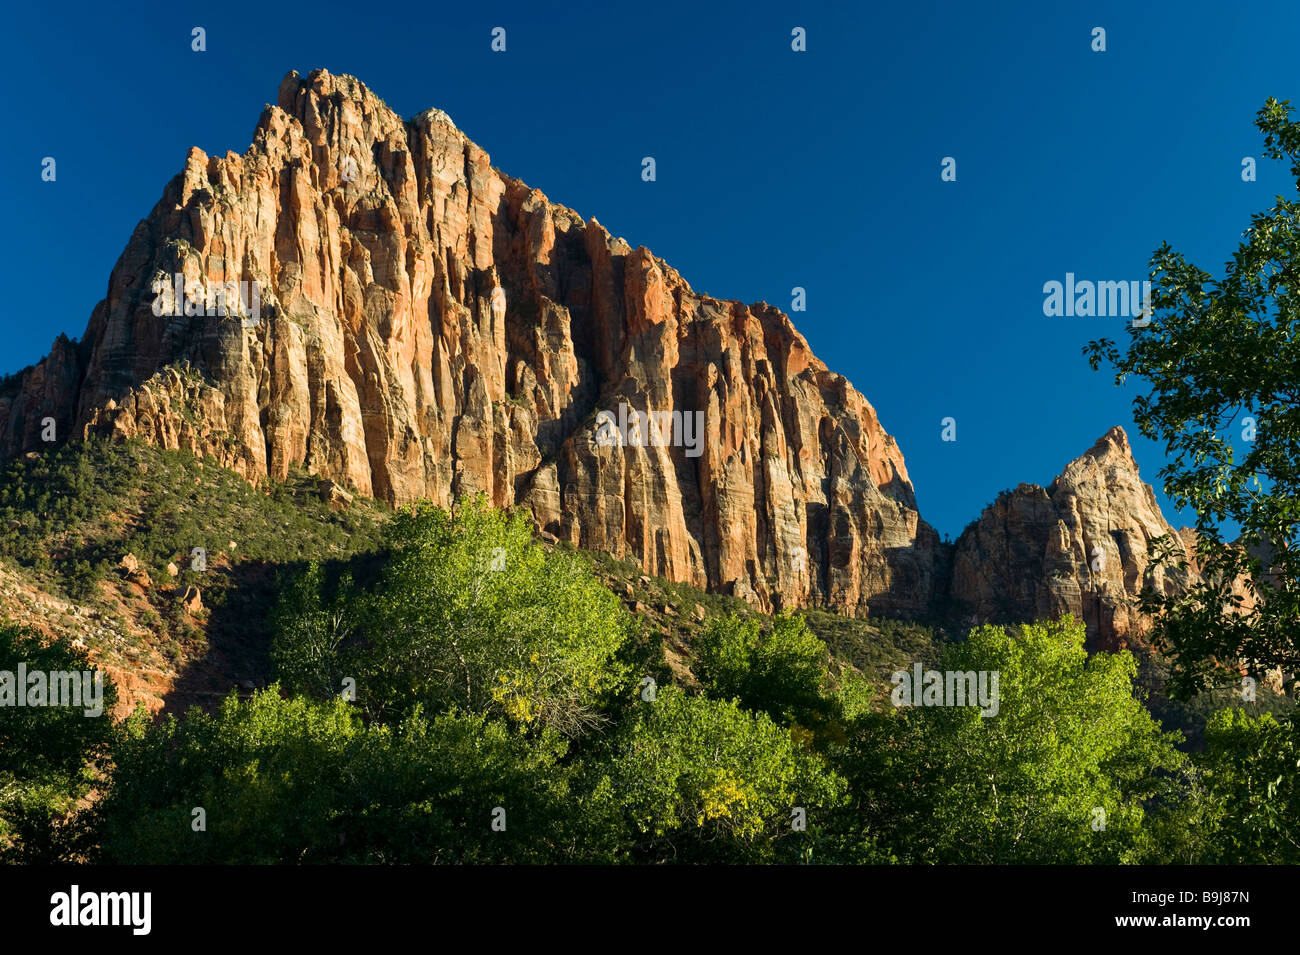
pixel 1220 359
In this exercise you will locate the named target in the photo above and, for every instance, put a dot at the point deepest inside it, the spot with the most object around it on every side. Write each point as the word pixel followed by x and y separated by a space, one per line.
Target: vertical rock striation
pixel 1078 546
pixel 385 359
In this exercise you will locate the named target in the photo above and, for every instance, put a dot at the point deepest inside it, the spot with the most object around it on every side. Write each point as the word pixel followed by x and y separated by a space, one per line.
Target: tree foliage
pixel 467 612
pixel 692 779
pixel 46 752
pixel 1252 773
pixel 296 781
pixel 781 672
pixel 496 722
pixel 1069 748
pixel 1216 352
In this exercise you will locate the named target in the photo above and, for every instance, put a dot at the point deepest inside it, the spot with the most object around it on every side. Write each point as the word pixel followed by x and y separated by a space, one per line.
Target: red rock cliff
pixel 1078 546
pixel 382 359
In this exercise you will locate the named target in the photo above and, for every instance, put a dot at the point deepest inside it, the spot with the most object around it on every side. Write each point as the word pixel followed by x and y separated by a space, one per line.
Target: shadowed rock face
pixel 1078 546
pixel 383 360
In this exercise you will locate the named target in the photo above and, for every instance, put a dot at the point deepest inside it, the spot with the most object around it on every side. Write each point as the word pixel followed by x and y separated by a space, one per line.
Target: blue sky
pixel 776 169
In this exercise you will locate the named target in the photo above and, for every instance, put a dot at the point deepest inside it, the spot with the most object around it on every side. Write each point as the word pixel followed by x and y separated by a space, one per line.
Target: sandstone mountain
pixel 384 359
pixel 1078 546
pixel 430 327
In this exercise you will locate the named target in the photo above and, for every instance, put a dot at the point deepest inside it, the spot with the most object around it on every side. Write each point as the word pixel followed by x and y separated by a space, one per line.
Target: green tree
pixel 47 753
pixel 310 632
pixel 1069 743
pixel 467 612
pixel 1252 771
pixel 691 779
pixel 782 672
pixel 1215 353
pixel 284 781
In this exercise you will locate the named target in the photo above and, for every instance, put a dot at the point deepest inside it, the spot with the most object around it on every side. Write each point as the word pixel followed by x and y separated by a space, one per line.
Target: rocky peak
pixel 1078 546
pixel 429 327
pixel 1113 443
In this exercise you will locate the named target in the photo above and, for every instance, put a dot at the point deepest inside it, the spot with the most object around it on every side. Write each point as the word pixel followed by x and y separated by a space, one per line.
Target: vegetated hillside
pixel 671 614
pixel 97 543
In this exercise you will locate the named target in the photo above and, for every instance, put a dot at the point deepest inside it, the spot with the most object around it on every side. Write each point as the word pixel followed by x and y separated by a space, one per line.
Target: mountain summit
pixel 412 323
pixel 1078 546
pixel 428 327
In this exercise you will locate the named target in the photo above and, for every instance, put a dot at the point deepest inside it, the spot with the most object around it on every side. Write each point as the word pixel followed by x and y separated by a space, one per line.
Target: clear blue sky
pixel 775 169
